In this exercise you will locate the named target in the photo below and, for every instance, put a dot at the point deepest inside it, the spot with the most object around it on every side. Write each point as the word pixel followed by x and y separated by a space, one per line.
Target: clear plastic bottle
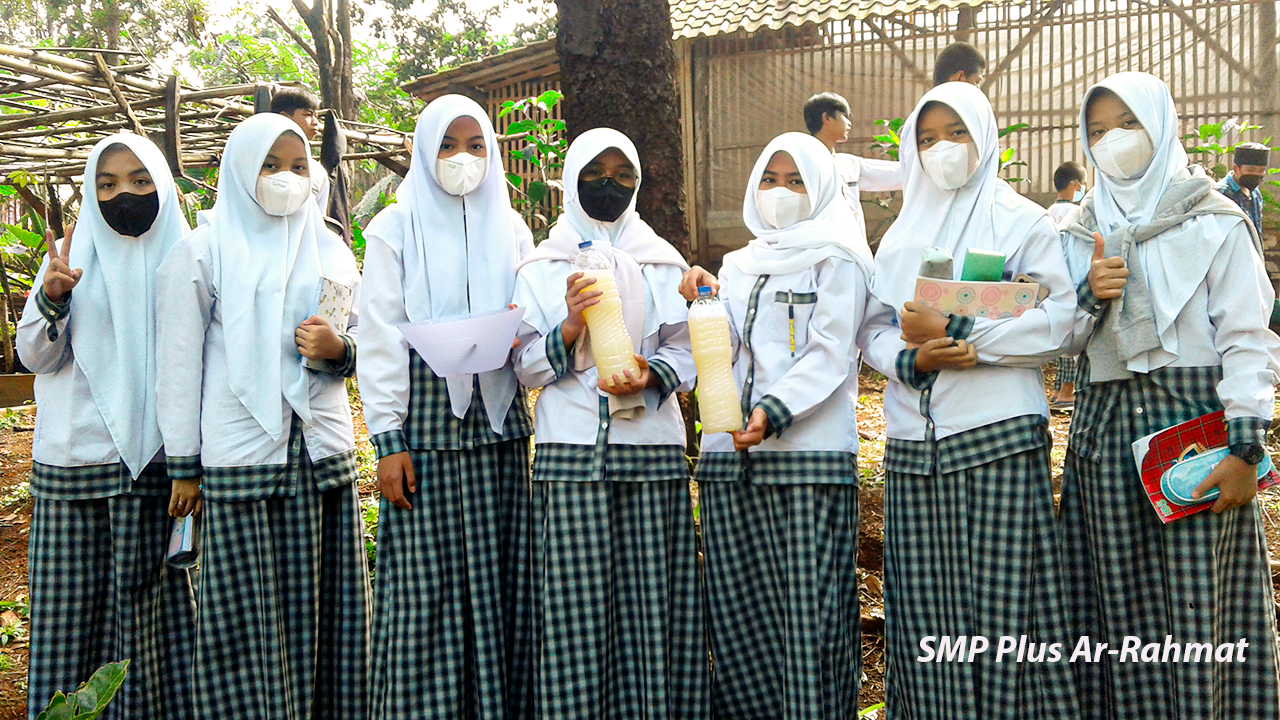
pixel 718 403
pixel 611 344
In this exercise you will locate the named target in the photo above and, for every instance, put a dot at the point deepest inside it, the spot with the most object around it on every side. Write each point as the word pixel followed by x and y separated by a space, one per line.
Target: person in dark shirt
pixel 1249 166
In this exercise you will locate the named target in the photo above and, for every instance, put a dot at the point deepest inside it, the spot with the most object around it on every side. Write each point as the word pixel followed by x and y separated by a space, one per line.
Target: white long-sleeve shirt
pixel 70 430
pixel 569 404
pixel 818 384
pixel 199 414
pixel 1007 382
pixel 383 369
pixel 1223 324
pixel 858 175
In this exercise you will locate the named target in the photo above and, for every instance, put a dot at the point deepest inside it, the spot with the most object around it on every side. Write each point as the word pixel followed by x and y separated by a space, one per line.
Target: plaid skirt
pixel 974 552
pixel 1201 579
pixel 617 602
pixel 101 592
pixel 283 629
pixel 451 634
pixel 1066 372
pixel 782 600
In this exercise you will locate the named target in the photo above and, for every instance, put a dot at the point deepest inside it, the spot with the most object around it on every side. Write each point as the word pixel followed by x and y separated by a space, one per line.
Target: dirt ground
pixel 15 518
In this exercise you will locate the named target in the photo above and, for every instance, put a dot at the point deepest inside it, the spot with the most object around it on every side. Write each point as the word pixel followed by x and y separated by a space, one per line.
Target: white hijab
pixel 629 242
pixel 827 232
pixel 459 252
pixel 1117 202
pixel 268 271
pixel 983 214
pixel 113 316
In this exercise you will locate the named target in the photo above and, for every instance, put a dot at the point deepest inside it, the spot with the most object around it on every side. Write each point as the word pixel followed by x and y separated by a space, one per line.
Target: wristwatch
pixel 1251 453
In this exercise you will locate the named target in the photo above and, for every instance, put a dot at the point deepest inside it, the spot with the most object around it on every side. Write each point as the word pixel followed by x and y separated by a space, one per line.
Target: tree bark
pixel 617 70
pixel 330 24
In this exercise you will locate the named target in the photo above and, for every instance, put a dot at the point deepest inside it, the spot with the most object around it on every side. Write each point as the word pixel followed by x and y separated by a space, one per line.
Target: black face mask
pixel 1249 182
pixel 604 199
pixel 130 214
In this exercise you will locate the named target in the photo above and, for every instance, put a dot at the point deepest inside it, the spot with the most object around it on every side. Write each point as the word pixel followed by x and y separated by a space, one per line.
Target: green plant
pixel 545 147
pixel 1209 139
pixel 7 663
pixel 867 711
pixel 11 419
pixel 370 513
pixel 20 494
pixel 13 616
pixel 90 700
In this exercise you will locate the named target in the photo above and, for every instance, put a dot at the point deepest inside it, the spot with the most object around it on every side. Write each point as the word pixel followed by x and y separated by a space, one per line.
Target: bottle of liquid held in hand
pixel 611 345
pixel 718 404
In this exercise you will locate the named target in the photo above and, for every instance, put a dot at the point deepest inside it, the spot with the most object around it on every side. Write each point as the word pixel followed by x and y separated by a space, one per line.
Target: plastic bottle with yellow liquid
pixel 611 345
pixel 718 403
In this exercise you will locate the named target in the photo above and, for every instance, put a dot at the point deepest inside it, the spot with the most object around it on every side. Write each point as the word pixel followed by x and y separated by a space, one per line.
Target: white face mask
pixel 1079 195
pixel 781 207
pixel 1123 154
pixel 283 193
pixel 462 173
pixel 950 165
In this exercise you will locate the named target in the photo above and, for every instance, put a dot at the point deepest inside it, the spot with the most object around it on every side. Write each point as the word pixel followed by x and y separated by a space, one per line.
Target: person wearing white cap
pixel 283 595
pixel 971 546
pixel 453 468
pixel 617 613
pixel 779 499
pixel 1172 322
pixel 101 590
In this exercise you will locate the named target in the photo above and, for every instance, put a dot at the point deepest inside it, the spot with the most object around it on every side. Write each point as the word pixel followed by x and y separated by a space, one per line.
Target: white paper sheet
pixel 463 346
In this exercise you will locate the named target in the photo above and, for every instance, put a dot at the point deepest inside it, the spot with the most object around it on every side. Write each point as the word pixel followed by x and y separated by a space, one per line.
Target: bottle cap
pixel 584 244
pixel 704 291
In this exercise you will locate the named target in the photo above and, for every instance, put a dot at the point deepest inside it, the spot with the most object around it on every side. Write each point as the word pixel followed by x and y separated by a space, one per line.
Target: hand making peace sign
pixel 59 278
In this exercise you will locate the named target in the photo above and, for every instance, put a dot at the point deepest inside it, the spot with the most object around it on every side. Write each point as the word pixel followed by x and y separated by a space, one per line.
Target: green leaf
pixel 7 190
pixel 1210 130
pixel 549 99
pixel 893 136
pixel 522 126
pixel 537 191
pixel 26 237
pixel 1016 127
pixel 896 124
pixel 1007 155
pixel 870 710
pixel 515 180
pixel 357 236
pixel 92 697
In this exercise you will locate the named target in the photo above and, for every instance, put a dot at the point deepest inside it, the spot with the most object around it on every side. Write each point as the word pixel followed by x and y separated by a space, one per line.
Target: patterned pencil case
pixel 1179 481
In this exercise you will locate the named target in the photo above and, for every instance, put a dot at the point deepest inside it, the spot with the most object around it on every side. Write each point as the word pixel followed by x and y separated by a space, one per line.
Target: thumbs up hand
pixel 1107 275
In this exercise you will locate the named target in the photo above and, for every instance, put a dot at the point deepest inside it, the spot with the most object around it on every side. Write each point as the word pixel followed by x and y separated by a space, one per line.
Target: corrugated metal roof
pixel 691 18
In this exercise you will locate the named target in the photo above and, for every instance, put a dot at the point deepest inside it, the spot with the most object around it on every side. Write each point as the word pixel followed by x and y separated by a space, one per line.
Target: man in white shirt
pixel 1069 181
pixel 826 116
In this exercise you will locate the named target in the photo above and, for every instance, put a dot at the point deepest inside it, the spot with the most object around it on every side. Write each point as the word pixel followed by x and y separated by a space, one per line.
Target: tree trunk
pixel 617 70
pixel 330 26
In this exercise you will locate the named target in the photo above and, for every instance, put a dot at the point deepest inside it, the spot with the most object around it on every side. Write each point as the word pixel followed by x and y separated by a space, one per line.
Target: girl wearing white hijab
pixel 283 624
pixel 454 453
pixel 970 542
pixel 780 515
pixel 1174 303
pixel 100 588
pixel 617 614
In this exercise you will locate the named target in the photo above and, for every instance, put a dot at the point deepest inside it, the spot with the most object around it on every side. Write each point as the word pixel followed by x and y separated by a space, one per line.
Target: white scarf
pixel 628 242
pixel 112 323
pixel 827 232
pixel 983 214
pixel 268 271
pixel 459 252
